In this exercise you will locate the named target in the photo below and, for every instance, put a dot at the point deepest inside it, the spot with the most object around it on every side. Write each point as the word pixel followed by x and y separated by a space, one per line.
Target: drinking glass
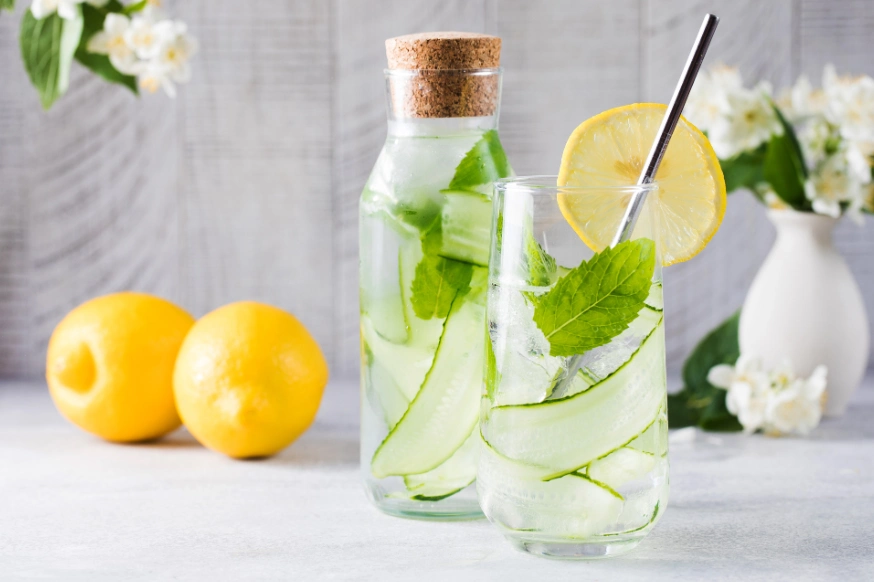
pixel 574 461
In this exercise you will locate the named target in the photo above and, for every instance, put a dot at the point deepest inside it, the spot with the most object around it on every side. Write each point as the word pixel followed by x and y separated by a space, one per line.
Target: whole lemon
pixel 249 379
pixel 109 365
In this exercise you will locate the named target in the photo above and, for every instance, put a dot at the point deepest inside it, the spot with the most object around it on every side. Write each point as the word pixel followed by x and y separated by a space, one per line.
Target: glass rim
pixel 547 184
pixel 408 73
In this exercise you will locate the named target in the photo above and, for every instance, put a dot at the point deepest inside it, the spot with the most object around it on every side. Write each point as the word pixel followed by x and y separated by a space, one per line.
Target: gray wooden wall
pixel 246 186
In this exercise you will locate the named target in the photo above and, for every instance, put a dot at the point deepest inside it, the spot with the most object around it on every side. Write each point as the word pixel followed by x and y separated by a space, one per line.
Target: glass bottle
pixel 425 222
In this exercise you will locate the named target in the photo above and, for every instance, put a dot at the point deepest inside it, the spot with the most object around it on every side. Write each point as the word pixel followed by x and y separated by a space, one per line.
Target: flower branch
pixel 131 45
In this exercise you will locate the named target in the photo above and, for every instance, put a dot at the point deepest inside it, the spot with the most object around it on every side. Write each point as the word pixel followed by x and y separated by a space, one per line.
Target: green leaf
pixel 7 5
pixel 700 403
pixel 541 266
pixel 93 18
pixel 596 301
pixel 744 170
pixel 436 284
pixel 135 7
pixel 483 164
pixel 47 48
pixel 784 166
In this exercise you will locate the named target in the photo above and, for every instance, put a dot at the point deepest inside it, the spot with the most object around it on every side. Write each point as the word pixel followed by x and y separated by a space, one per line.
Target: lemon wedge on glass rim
pixel 609 150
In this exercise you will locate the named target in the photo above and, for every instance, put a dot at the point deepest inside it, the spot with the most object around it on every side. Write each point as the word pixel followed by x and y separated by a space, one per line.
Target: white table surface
pixel 73 507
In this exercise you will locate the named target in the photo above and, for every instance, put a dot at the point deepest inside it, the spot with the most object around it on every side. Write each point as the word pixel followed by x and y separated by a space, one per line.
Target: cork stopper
pixel 445 76
pixel 444 50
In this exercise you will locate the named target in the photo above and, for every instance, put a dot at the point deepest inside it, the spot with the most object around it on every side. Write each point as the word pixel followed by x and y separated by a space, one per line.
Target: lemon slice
pixel 610 149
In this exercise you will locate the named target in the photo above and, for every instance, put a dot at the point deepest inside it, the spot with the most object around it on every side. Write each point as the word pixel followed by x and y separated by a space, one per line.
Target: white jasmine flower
pixel 815 135
pixel 171 62
pixel 832 183
pixel 797 407
pixel 859 157
pixel 747 121
pixel 111 41
pixel 67 9
pixel 145 35
pixel 707 101
pixel 850 104
pixel 802 100
pixel 747 387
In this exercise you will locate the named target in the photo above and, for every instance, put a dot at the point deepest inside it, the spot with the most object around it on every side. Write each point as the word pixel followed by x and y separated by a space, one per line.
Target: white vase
pixel 805 305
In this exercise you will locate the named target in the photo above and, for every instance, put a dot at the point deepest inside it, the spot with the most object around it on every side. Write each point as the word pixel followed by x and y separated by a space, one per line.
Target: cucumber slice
pixel 387 315
pixel 601 362
pixel 564 435
pixel 466 223
pixel 384 394
pixel 654 440
pixel 407 365
pixel 512 494
pixel 445 410
pixel 621 466
pixel 449 478
pixel 655 300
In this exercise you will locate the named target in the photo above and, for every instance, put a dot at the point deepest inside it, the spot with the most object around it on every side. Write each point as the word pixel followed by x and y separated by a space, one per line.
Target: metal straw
pixel 669 123
pixel 663 137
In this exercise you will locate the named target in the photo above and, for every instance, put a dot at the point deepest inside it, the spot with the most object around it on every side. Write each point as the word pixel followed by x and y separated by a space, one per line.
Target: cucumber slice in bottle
pixel 407 365
pixel 445 410
pixel 387 315
pixel 466 223
pixel 456 473
pixel 621 466
pixel 383 393
pixel 564 435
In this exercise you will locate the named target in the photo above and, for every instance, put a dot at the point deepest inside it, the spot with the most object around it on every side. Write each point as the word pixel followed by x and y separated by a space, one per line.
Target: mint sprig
pixel 436 284
pixel 596 301
pixel 483 164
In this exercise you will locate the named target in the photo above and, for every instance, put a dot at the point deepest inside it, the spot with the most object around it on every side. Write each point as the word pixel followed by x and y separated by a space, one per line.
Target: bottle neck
pixel 441 126
pixel 442 102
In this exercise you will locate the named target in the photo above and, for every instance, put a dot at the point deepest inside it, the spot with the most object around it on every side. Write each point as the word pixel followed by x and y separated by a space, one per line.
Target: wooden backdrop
pixel 246 186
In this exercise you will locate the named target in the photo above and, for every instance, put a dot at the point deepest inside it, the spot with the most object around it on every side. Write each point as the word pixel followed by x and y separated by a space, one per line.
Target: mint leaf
pixel 47 48
pixel 700 403
pixel 93 18
pixel 483 164
pixel 436 284
pixel 596 301
pixel 7 5
pixel 541 266
pixel 783 166
pixel 744 170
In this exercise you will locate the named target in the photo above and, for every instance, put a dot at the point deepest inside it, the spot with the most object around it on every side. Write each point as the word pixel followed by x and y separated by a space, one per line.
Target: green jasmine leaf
pixel 47 48
pixel 744 170
pixel 93 18
pixel 700 403
pixel 436 284
pixel 483 164
pixel 7 5
pixel 784 166
pixel 135 7
pixel 596 301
